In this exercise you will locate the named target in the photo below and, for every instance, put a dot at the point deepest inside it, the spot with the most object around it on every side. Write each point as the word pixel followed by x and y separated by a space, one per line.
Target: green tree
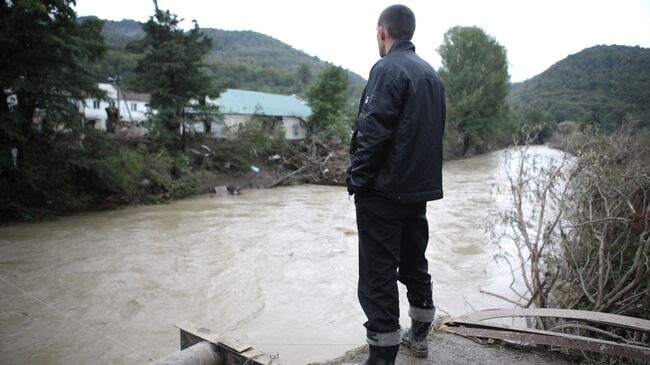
pixel 44 54
pixel 172 70
pixel 327 98
pixel 475 73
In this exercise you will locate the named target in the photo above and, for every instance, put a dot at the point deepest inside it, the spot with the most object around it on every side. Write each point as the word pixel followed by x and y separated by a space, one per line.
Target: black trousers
pixel 393 238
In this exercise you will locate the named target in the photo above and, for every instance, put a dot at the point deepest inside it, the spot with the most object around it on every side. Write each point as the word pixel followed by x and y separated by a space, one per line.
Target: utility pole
pixel 113 112
pixel 117 88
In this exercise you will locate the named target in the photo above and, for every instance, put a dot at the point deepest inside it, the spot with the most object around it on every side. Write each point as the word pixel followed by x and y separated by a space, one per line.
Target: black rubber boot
pixel 415 338
pixel 380 355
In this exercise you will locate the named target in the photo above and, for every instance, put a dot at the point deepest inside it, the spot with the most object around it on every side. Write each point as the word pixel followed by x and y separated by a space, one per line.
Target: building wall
pixel 94 110
pixel 216 129
pixel 232 123
pixel 136 113
pixel 294 127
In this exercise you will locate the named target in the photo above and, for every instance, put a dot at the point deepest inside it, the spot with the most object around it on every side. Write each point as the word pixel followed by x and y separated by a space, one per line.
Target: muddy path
pixel 448 349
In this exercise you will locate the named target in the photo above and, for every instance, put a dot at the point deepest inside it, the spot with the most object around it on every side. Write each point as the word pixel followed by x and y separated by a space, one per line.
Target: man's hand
pixel 348 183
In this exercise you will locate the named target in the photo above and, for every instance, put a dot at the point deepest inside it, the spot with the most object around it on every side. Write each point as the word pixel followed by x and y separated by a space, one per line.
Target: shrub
pixel 255 141
pixel 592 254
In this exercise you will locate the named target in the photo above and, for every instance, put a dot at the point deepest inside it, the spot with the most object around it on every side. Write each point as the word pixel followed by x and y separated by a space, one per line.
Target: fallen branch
pixel 283 179
pixel 588 328
pixel 481 290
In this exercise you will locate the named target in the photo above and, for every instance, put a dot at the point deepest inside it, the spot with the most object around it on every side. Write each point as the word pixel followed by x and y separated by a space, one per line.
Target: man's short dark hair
pixel 399 20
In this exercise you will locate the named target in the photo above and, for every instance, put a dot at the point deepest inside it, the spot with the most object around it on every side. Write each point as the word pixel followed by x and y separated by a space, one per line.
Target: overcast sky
pixel 536 34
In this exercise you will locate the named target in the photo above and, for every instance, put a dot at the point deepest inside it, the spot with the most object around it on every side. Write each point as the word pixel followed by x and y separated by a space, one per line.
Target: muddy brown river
pixel 275 269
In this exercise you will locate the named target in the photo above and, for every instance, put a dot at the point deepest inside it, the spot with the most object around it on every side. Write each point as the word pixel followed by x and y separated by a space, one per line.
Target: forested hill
pixel 239 59
pixel 601 84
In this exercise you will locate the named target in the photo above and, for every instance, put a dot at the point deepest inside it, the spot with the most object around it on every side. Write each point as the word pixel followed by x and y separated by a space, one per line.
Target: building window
pixel 148 108
pixel 96 104
pixel 134 107
pixel 296 129
pixel 111 103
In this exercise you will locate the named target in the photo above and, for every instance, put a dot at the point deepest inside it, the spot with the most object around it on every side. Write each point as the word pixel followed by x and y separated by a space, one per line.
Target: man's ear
pixel 382 33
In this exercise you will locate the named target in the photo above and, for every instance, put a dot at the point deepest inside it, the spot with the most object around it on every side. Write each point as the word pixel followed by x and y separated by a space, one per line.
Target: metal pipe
pixel 202 353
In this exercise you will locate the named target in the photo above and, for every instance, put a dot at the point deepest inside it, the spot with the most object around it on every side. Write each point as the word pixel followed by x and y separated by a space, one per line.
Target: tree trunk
pixel 26 109
pixel 4 105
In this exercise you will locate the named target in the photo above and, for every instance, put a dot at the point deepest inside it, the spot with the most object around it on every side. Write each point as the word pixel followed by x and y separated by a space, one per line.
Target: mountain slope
pixel 602 84
pixel 239 59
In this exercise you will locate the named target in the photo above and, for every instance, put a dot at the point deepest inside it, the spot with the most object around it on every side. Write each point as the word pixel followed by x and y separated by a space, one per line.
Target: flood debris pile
pixel 315 163
pixel 268 163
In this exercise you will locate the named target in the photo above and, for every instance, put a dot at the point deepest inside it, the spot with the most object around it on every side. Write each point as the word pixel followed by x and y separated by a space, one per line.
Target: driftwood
pixel 598 317
pixel 318 163
pixel 473 325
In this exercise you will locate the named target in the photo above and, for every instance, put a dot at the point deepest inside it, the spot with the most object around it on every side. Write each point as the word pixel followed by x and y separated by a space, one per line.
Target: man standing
pixel 395 168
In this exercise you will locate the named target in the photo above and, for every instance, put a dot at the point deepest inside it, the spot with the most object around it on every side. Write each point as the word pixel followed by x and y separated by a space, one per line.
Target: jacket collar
pixel 401 45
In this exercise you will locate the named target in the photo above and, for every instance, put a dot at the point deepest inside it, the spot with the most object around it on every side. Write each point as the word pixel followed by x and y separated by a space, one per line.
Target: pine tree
pixel 172 70
pixel 44 57
pixel 44 53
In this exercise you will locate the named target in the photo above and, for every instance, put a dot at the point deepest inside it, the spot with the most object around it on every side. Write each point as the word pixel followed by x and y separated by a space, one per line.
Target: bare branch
pixel 640 265
pixel 601 266
pixel 500 297
pixel 591 222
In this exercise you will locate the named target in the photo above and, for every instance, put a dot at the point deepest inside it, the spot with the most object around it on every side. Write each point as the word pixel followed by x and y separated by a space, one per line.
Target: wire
pixel 303 344
pixel 133 350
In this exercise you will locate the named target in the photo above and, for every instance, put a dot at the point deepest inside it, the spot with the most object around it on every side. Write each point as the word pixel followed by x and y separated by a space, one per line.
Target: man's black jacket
pixel 396 148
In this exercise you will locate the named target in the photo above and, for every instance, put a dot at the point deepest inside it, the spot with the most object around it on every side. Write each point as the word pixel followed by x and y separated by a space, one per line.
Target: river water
pixel 275 269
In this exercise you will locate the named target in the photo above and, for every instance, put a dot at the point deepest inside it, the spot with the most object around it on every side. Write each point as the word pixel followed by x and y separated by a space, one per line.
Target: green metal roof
pixel 234 101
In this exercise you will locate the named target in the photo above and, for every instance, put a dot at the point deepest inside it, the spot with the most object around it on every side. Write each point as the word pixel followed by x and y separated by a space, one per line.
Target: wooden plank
pixel 551 339
pixel 597 317
pixel 188 340
pixel 211 336
pixel 479 324
pixel 234 352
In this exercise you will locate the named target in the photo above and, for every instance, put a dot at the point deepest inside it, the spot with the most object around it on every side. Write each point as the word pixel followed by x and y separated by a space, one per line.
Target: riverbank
pixel 303 162
pixel 449 349
pixel 102 172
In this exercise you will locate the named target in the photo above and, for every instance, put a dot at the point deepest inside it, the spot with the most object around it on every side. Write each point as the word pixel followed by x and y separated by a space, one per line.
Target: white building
pixel 132 108
pixel 237 107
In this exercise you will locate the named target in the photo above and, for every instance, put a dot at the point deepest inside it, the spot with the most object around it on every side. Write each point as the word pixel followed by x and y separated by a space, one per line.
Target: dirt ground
pixel 450 349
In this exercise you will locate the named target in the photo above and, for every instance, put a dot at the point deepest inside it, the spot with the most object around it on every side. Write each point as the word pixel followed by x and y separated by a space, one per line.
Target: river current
pixel 275 269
